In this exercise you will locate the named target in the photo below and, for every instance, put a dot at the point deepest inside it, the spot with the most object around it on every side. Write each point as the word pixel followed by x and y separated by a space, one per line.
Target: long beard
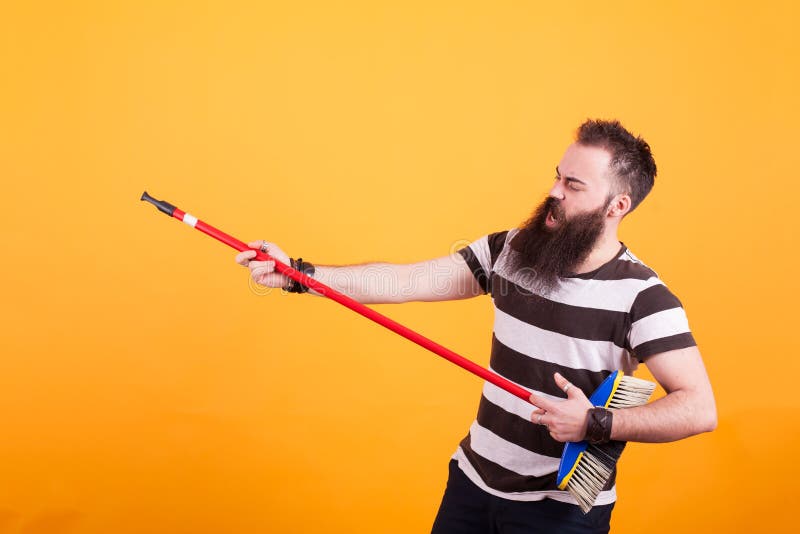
pixel 552 253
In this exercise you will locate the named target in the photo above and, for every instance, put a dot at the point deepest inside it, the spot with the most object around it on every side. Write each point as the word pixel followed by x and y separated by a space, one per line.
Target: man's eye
pixel 574 187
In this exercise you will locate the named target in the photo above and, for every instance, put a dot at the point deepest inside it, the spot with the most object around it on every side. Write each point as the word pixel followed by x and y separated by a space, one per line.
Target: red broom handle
pixel 331 293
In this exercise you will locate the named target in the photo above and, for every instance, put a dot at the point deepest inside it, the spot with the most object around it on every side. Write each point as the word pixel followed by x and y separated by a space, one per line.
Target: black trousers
pixel 467 509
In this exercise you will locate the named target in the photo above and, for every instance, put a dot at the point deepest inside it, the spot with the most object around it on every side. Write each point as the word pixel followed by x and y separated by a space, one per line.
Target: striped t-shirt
pixel 589 326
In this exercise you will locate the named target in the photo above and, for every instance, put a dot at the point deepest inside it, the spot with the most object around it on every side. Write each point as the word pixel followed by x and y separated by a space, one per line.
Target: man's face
pixel 562 231
pixel 582 183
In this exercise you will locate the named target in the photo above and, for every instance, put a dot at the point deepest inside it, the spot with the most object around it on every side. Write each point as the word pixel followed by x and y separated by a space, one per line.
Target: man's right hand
pixel 263 272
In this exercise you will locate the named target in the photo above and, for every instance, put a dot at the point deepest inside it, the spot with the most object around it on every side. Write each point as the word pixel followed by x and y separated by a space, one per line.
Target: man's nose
pixel 557 191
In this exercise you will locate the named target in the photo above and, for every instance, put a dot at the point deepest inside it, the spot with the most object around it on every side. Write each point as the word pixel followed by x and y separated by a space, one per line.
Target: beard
pixel 550 253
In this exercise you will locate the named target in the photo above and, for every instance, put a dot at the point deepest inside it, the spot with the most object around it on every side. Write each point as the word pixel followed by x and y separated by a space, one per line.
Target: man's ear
pixel 620 205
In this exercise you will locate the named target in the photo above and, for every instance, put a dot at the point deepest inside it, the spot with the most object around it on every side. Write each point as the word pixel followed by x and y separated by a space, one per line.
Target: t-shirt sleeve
pixel 481 254
pixel 658 323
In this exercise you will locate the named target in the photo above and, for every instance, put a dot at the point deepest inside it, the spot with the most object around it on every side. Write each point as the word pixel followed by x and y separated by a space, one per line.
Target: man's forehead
pixel 588 163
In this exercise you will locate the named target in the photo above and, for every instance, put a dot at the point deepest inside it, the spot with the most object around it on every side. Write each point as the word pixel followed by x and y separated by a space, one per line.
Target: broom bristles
pixel 597 463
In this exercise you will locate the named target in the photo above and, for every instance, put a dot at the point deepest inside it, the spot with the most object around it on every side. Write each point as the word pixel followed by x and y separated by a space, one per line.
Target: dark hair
pixel 631 160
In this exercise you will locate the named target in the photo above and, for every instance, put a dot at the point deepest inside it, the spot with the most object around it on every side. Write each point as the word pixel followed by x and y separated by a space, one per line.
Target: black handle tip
pixel 163 206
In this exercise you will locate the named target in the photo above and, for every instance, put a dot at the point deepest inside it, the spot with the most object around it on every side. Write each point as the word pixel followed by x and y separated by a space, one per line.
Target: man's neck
pixel 605 250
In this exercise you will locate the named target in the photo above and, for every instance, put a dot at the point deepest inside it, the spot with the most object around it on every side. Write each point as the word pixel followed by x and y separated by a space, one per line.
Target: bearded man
pixel 572 305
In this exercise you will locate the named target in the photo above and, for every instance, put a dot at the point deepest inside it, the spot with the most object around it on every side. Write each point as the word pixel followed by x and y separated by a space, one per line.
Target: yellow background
pixel 146 387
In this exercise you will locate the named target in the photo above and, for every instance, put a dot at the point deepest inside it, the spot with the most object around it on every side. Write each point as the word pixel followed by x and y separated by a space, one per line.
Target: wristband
pixel 304 267
pixel 290 281
pixel 598 429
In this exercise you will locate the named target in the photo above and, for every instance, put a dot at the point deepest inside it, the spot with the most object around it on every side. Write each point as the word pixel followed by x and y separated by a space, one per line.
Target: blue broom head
pixel 573 451
pixel 585 469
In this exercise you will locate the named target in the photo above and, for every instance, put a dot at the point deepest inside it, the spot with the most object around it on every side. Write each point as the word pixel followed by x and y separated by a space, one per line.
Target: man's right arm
pixel 439 279
pixel 445 278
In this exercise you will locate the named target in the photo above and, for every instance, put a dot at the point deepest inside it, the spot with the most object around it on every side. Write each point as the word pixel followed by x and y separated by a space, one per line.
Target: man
pixel 572 304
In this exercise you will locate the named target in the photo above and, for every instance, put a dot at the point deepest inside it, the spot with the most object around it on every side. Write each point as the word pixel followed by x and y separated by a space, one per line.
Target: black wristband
pixel 598 428
pixel 304 267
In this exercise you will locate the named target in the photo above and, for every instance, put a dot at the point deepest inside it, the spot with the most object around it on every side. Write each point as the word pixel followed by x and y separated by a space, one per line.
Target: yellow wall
pixel 146 388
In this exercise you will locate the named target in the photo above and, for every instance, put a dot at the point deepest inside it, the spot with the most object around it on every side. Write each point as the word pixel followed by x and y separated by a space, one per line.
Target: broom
pixel 577 478
pixel 585 468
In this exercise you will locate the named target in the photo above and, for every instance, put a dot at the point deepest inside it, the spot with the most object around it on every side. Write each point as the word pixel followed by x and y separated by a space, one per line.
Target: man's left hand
pixel 565 419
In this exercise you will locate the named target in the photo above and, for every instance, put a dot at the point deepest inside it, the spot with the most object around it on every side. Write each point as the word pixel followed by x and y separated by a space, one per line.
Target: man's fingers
pixel 561 382
pixel 539 418
pixel 259 244
pixel 567 387
pixel 270 280
pixel 542 403
pixel 243 258
pixel 261 267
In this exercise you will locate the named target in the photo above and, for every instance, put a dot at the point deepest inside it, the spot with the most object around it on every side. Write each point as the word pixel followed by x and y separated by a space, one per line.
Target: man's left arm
pixel 687 409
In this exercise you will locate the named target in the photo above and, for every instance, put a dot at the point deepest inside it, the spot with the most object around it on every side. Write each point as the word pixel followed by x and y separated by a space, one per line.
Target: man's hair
pixel 632 163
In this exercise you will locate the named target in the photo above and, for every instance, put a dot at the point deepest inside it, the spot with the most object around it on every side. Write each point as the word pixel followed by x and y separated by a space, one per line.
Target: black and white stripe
pixel 591 325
